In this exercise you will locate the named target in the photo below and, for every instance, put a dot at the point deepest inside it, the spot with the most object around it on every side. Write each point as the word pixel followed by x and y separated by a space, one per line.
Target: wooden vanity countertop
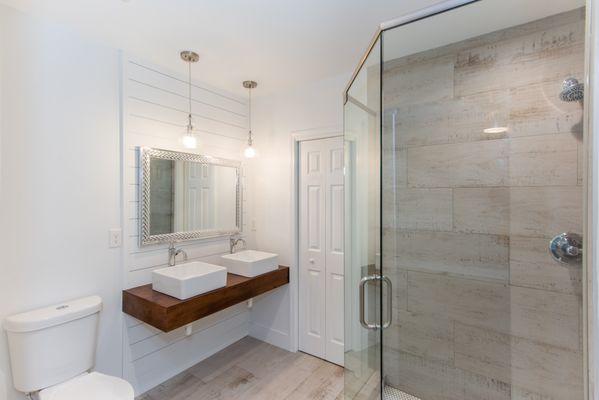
pixel 168 313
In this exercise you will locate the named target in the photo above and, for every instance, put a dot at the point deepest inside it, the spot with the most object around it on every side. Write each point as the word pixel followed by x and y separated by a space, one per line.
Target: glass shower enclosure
pixel 464 205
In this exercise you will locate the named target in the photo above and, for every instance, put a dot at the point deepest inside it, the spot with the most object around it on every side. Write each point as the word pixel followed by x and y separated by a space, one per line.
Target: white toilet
pixel 52 350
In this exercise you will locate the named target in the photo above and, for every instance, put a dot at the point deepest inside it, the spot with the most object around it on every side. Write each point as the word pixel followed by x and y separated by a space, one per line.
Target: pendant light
pixel 250 152
pixel 189 140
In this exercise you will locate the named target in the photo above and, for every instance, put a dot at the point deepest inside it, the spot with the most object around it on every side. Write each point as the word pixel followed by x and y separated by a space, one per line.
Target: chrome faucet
pixel 173 253
pixel 233 241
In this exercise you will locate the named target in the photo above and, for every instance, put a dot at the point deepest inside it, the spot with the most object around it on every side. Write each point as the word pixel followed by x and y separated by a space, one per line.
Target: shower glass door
pixel 363 232
pixel 477 222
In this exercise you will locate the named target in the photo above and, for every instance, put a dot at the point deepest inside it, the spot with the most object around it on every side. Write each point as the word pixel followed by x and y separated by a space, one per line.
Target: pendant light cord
pixel 189 126
pixel 250 118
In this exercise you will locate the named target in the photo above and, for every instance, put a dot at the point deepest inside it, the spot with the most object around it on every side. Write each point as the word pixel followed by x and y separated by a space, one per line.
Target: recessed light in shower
pixel 496 129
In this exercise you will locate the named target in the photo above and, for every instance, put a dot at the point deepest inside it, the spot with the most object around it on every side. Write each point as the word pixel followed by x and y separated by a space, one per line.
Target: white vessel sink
pixel 250 263
pixel 188 280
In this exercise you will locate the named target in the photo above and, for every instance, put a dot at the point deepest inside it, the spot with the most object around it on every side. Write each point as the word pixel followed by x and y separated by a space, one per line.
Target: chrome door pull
pixel 387 323
pixel 363 283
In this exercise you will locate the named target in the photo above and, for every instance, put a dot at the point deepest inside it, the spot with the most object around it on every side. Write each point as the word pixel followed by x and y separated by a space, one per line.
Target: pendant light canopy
pixel 250 152
pixel 189 140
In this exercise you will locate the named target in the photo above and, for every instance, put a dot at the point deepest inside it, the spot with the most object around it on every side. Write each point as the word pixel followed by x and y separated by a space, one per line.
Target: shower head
pixel 572 90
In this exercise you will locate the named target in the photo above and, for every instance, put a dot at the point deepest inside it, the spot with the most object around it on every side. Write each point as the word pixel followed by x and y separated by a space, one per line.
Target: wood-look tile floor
pixel 254 370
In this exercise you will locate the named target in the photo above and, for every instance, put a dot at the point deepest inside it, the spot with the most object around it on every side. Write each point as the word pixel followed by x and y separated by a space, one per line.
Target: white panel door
pixel 321 284
pixel 334 200
pixel 200 196
pixel 312 255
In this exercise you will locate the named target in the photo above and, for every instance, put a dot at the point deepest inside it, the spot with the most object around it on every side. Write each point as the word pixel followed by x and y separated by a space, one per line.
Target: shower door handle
pixel 389 319
pixel 363 282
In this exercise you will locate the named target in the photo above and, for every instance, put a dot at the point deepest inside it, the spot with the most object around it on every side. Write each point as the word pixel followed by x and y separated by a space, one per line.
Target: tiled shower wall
pixel 481 310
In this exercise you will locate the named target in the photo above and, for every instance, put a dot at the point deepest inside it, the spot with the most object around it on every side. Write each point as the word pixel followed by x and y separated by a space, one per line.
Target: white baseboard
pixel 271 336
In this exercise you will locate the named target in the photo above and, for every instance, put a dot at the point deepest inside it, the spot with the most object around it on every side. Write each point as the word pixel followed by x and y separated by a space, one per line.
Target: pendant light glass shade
pixel 249 151
pixel 189 141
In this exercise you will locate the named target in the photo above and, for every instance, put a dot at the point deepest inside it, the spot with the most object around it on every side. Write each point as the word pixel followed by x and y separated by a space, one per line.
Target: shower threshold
pixel 390 393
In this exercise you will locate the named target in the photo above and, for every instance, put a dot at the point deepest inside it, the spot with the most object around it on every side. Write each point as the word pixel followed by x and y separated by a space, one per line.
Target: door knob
pixel 566 248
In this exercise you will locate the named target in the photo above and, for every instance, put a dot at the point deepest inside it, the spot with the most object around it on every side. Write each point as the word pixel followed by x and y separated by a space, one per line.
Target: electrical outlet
pixel 115 237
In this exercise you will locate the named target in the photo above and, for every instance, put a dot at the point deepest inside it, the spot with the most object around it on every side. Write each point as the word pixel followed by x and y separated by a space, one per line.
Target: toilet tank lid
pixel 54 315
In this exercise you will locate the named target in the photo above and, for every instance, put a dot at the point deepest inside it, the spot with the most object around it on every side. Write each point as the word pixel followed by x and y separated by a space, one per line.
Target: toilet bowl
pixel 89 386
pixel 52 351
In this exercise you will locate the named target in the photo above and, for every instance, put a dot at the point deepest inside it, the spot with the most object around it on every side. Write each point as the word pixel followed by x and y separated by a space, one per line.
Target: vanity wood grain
pixel 168 313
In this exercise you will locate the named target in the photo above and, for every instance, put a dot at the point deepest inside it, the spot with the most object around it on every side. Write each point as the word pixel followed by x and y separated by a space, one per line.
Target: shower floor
pixel 390 393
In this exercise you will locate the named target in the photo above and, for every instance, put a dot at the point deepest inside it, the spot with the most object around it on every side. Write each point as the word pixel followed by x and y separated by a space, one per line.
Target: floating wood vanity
pixel 167 313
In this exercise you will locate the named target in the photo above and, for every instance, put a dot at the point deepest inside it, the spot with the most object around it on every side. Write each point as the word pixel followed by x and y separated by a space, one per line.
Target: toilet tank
pixel 53 344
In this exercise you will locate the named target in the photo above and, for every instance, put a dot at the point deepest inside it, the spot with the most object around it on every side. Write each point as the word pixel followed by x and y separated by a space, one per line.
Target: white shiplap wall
pixel 154 114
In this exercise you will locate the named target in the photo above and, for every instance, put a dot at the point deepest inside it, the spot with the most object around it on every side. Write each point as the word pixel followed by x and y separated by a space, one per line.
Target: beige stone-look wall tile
pixel 424 378
pixel 429 336
pixel 477 303
pixel 482 210
pixel 419 83
pixel 483 257
pixel 545 211
pixel 522 211
pixel 531 265
pixel 536 109
pixel 483 163
pixel 456 120
pixel 547 55
pixel 395 168
pixel 547 317
pixel 390 219
pixel 512 33
pixel 545 160
pixel 437 380
pixel 519 393
pixel 539 368
pixel 399 280
pixel 477 387
pixel 424 209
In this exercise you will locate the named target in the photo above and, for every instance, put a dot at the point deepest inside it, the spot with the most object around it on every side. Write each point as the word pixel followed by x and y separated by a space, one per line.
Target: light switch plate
pixel 115 237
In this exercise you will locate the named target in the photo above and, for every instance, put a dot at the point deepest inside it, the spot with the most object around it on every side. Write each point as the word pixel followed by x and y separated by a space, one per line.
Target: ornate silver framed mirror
pixel 186 196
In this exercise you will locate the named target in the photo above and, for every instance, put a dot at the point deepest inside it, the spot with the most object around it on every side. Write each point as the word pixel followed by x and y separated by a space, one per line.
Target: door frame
pixel 296 138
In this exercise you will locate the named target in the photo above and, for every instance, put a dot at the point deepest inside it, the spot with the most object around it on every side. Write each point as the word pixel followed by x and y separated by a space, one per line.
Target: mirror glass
pixel 187 196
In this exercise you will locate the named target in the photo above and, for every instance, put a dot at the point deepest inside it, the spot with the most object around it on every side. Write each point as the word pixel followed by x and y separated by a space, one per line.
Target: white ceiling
pixel 279 43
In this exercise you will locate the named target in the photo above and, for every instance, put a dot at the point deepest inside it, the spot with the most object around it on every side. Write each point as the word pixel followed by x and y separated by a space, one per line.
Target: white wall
pixel 61 151
pixel 59 185
pixel 154 115
pixel 314 107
